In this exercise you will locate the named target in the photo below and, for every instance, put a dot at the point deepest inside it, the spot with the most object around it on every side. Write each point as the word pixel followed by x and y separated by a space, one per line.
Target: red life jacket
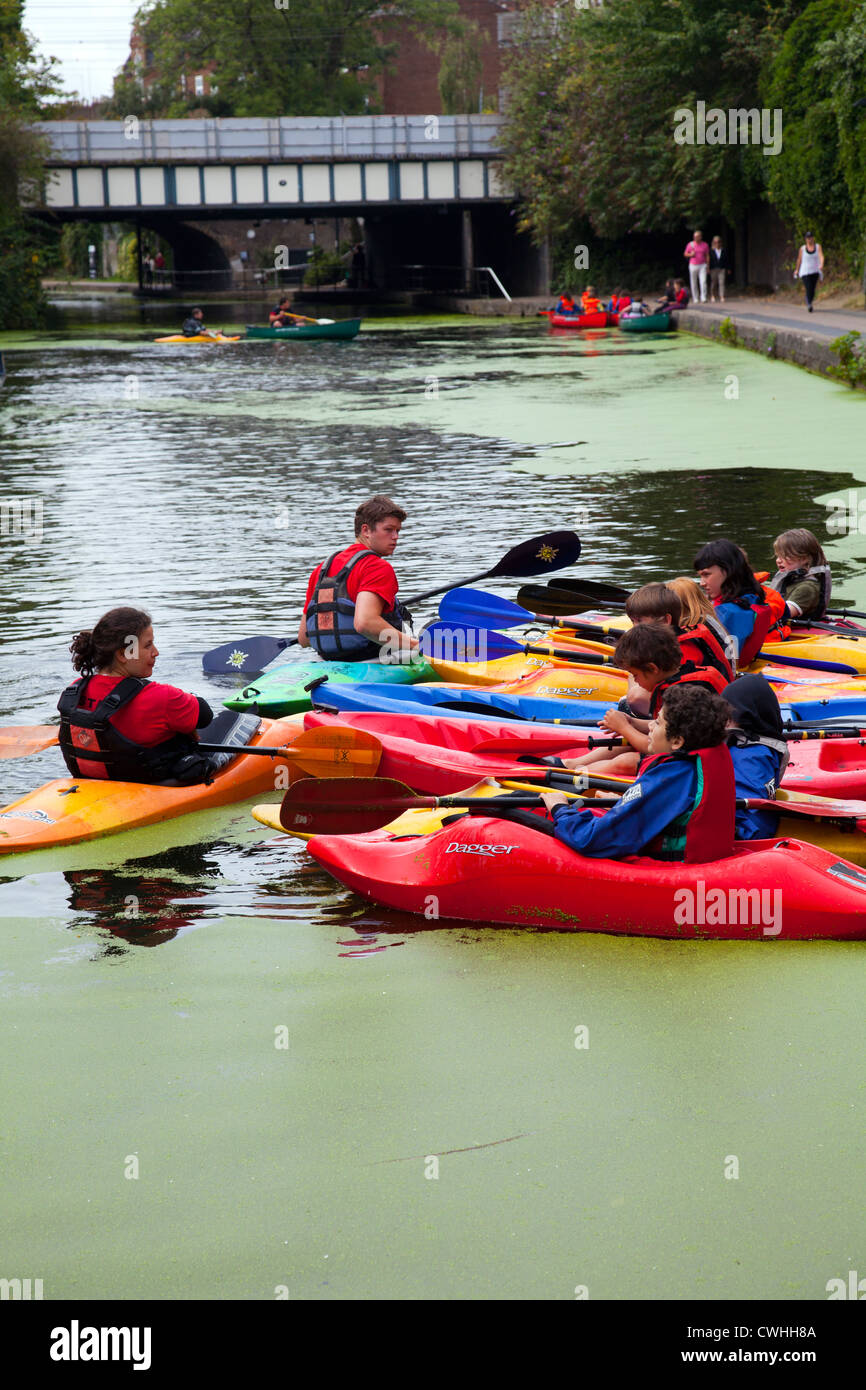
pixel 566 304
pixel 708 833
pixel 590 304
pixel 701 646
pixel 708 676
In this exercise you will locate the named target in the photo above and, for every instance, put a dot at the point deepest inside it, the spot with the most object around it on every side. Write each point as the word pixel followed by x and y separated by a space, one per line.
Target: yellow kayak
pixel 584 682
pixel 199 338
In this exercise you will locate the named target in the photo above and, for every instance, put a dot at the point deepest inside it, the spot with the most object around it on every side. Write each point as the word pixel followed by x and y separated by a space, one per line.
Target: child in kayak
pixel 619 301
pixel 590 303
pixel 682 605
pixel 681 807
pixel 565 304
pixel 759 751
pixel 802 574
pixel 635 310
pixel 726 578
pixel 653 658
pixel 115 722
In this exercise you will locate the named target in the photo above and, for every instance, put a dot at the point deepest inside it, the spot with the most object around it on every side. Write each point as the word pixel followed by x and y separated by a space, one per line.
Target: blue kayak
pixel 481 702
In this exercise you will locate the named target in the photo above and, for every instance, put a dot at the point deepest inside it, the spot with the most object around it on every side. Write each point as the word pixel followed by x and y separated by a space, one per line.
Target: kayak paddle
pixel 541 555
pixel 19 741
pixel 330 807
pixel 448 642
pixel 475 608
pixel 343 751
pixel 552 600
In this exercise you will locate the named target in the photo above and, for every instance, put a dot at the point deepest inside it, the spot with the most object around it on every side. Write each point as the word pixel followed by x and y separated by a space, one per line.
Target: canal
pixel 243 1082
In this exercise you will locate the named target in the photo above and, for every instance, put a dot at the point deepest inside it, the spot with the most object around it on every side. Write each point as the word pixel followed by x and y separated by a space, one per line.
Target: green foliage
pixel 852 360
pixel 593 97
pixel 770 344
pixel 127 257
pixel 460 71
pixel 327 267
pixel 25 84
pixel 807 181
pixel 311 58
pixel 728 333
pixel 74 241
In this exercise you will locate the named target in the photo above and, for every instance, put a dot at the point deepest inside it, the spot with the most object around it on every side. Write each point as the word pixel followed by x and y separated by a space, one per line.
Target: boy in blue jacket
pixel 682 804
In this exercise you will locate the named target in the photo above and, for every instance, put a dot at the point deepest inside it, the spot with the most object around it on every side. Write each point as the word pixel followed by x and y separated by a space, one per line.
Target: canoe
pixel 71 810
pixel 198 338
pixel 599 320
pixel 343 328
pixel 281 690
pixel 485 870
pixel 650 323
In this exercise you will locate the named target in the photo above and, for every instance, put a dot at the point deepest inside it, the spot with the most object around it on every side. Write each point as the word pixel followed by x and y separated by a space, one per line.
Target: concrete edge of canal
pixel 781 344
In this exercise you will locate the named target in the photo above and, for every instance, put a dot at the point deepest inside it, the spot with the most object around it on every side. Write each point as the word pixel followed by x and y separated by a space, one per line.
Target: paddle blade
pixel 246 658
pixel 551 602
pixel 475 608
pixel 594 589
pixel 555 550
pixel 453 642
pixel 330 807
pixel 19 741
pixel 335 752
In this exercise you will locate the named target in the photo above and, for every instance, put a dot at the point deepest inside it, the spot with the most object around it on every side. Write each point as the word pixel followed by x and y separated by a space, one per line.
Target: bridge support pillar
pixel 467 250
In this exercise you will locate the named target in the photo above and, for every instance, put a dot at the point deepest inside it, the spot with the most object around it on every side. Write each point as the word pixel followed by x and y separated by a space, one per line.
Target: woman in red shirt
pixel 115 721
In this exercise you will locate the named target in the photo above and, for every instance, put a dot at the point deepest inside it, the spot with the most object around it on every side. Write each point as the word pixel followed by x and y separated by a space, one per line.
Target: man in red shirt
pixel 351 611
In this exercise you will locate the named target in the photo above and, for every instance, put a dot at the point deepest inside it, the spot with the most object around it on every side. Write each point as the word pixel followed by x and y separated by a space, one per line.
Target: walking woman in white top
pixel 810 267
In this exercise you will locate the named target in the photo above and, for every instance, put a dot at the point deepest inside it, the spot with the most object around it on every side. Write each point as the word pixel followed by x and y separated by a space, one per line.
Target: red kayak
pixel 441 769
pixel 597 320
pixel 432 753
pixel 486 870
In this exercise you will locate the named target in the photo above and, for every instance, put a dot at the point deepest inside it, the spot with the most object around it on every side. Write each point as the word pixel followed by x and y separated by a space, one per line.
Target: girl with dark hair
pixel 727 580
pixel 116 723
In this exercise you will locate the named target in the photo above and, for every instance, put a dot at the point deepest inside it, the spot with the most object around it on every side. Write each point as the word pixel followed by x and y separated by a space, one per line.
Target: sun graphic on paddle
pixel 237 658
pixel 547 554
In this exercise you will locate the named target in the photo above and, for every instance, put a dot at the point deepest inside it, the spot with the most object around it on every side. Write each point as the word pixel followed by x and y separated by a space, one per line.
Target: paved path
pixel 823 323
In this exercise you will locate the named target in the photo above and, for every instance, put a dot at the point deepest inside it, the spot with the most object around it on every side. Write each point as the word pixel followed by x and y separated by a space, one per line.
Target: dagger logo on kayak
pixel 457 848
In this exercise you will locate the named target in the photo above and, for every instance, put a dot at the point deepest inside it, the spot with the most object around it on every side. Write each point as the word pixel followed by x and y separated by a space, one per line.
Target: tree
pixel 25 84
pixel 314 58
pixel 460 71
pixel 594 94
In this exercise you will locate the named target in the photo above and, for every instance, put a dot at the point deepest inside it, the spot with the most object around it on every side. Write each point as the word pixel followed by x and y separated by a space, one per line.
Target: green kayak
pixel 651 323
pixel 281 690
pixel 342 328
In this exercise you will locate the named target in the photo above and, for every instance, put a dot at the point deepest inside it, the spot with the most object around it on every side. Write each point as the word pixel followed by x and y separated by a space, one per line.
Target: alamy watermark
pixel 719 907
pixel 21 516
pixel 738 126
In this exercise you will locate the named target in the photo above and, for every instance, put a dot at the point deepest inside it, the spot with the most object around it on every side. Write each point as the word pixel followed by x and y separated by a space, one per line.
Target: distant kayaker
pixel 115 722
pixel 756 739
pixel 636 309
pixel 682 804
pixel 565 304
pixel 618 302
pixel 727 580
pixel 589 301
pixel 280 317
pixel 193 327
pixel 810 267
pixel 802 574
pixel 351 612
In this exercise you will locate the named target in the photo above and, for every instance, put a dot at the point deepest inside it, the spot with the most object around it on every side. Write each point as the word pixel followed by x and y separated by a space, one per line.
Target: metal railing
pixel 234 140
pixel 451 279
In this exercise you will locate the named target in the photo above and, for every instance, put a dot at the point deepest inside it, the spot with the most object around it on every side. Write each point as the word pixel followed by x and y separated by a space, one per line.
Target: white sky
pixel 89 37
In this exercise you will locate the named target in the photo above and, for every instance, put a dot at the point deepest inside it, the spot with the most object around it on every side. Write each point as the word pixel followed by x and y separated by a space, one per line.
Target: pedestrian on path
pixel 697 253
pixel 810 267
pixel 719 266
